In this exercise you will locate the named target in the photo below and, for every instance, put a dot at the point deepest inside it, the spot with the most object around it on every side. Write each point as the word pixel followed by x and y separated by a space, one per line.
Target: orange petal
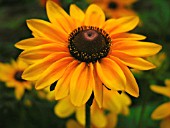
pixel 161 111
pixel 136 48
pixel 59 17
pixel 120 25
pixel 34 71
pixel 31 42
pixel 46 30
pixel 127 36
pixel 131 85
pixel 94 16
pixel 110 74
pixel 134 62
pixel 80 88
pixel 53 73
pixel 19 92
pixel 62 87
pixel 161 90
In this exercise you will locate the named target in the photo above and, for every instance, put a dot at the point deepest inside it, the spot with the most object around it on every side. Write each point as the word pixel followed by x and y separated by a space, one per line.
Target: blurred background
pixel 35 110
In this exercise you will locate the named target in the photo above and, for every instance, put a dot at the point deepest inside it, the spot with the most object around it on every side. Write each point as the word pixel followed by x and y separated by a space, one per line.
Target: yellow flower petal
pixel 120 25
pixel 31 42
pixel 73 124
pixel 112 120
pixel 64 108
pixel 34 71
pixel 80 85
pixel 53 73
pixel 165 123
pixel 46 30
pixel 131 85
pixel 19 92
pixel 39 52
pixel 167 82
pixel 62 87
pixel 127 36
pixel 98 118
pixel 161 90
pixel 80 115
pixel 161 111
pixel 110 74
pixel 134 62
pixel 136 48
pixel 77 14
pixel 98 90
pixel 59 17
pixel 94 12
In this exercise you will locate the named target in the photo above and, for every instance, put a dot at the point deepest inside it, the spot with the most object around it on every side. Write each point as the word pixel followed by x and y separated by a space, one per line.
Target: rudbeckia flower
pixel 114 104
pixel 82 53
pixel 116 8
pixel 11 75
pixel 162 112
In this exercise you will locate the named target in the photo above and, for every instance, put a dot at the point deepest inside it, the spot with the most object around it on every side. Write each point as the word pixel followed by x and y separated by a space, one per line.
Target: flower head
pixel 82 53
pixel 116 8
pixel 11 75
pixel 162 111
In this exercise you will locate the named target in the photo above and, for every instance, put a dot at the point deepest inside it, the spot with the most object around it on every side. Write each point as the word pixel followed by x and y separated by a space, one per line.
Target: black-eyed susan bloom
pixel 11 75
pixel 82 53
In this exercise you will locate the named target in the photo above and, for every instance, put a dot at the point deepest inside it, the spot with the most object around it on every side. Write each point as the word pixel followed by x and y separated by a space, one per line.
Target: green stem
pixel 87 116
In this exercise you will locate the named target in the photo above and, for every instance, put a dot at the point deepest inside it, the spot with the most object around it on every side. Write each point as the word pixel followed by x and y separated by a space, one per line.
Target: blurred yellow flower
pixel 114 104
pixel 163 111
pixel 11 75
pixel 84 53
pixel 116 8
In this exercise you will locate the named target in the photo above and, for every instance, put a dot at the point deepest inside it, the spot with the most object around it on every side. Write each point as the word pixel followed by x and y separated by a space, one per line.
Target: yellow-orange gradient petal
pixel 161 111
pixel 59 17
pixel 161 90
pixel 94 16
pixel 115 26
pixel 136 48
pixel 127 36
pixel 80 115
pixel 63 84
pixel 80 85
pixel 53 73
pixel 46 30
pixel 131 84
pixel 19 92
pixel 32 42
pixel 134 62
pixel 77 14
pixel 111 74
pixel 34 71
pixel 98 90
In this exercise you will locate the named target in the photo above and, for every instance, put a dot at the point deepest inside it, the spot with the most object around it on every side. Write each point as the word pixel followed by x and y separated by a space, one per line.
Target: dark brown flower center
pixel 18 77
pixel 89 44
pixel 112 5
